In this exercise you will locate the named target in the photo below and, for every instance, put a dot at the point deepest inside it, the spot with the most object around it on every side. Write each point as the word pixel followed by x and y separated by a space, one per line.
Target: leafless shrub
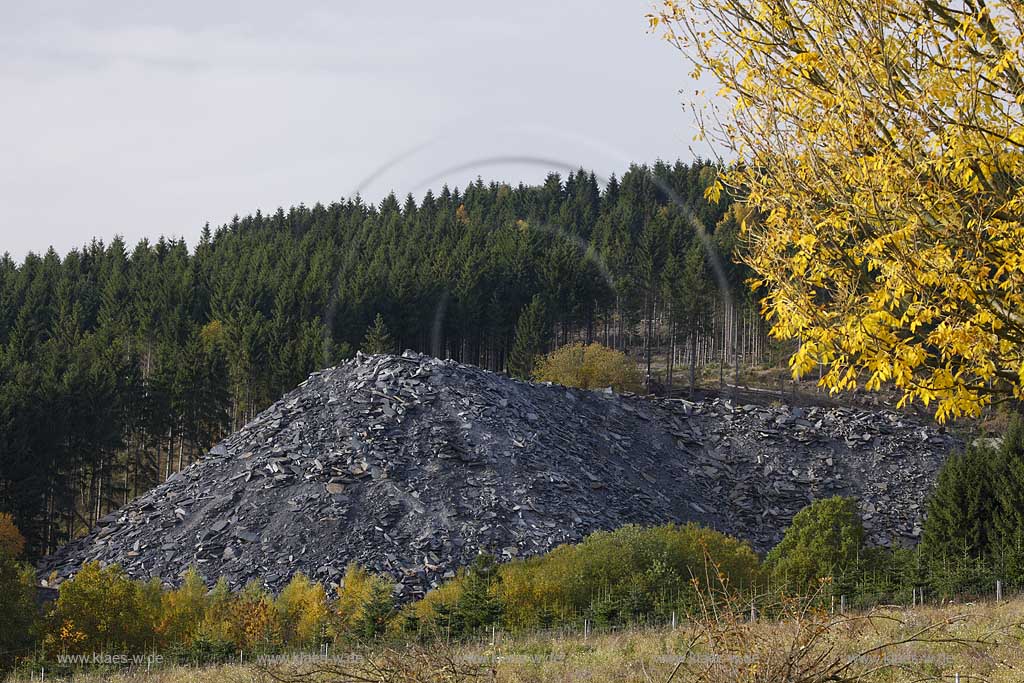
pixel 804 642
pixel 380 662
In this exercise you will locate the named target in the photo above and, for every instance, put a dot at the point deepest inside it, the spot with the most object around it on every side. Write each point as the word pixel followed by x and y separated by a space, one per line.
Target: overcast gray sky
pixel 149 118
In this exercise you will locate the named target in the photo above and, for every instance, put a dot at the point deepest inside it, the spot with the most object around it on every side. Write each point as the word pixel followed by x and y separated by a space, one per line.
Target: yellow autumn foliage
pixel 182 610
pixel 590 366
pixel 354 595
pixel 302 611
pixel 254 620
pixel 102 609
pixel 882 146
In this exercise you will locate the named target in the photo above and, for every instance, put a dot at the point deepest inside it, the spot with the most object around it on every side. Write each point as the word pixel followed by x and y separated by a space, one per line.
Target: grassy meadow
pixel 979 641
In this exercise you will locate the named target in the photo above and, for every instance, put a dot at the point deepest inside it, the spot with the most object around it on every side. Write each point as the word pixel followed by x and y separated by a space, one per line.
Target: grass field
pixel 978 642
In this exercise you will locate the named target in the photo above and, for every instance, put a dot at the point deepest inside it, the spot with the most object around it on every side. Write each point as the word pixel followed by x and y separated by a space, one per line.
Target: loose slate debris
pixel 410 466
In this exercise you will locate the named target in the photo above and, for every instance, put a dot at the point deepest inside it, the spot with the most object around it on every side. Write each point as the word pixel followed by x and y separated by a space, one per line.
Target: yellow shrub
pixel 102 609
pixel 217 624
pixel 302 611
pixel 442 599
pixel 589 367
pixel 182 611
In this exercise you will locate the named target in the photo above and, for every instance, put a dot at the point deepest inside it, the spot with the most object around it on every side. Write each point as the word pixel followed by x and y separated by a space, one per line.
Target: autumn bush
pixel 428 614
pixel 254 623
pixel 214 637
pixel 302 611
pixel 103 610
pixel 590 366
pixel 182 610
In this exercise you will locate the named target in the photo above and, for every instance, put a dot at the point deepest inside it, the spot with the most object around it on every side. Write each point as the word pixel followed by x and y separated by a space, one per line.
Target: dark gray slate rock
pixel 410 466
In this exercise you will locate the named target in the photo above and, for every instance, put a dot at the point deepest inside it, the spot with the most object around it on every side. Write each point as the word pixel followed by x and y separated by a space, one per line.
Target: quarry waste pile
pixel 411 466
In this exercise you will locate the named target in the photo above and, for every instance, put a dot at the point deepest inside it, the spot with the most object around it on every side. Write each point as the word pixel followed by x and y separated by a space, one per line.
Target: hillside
pixel 410 466
pixel 153 352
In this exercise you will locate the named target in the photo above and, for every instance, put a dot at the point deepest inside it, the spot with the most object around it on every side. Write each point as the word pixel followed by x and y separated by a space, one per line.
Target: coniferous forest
pixel 120 365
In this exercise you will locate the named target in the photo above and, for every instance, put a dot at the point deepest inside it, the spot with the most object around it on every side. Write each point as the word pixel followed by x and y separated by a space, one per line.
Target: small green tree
pixel 824 541
pixel 376 612
pixel 479 607
pixel 532 332
pixel 378 338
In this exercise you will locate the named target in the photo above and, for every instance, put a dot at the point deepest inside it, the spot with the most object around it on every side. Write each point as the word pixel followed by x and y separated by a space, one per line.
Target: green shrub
pixel 824 542
pixel 615 577
pixel 18 623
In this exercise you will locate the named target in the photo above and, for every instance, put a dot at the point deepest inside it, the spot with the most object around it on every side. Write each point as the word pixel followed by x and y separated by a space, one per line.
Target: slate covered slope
pixel 410 465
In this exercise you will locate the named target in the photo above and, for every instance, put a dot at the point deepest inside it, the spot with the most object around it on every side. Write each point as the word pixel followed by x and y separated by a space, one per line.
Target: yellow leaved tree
pixel 881 143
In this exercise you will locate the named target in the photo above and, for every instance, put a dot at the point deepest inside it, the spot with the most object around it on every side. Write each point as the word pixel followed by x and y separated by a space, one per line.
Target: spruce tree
pixel 478 607
pixel 378 339
pixel 694 306
pixel 378 610
pixel 958 523
pixel 1008 482
pixel 531 338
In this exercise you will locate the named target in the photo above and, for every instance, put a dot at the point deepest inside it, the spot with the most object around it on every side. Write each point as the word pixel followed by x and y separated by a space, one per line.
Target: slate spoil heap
pixel 410 466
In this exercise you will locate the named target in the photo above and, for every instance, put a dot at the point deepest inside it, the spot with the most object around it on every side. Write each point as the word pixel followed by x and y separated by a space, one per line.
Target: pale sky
pixel 149 118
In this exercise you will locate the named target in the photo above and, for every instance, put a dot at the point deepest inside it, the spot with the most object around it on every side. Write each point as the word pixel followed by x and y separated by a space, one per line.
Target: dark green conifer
pixel 532 332
pixel 958 522
pixel 378 339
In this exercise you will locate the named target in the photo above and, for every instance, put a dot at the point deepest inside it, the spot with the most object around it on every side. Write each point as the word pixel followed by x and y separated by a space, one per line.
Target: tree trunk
pixel 693 359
